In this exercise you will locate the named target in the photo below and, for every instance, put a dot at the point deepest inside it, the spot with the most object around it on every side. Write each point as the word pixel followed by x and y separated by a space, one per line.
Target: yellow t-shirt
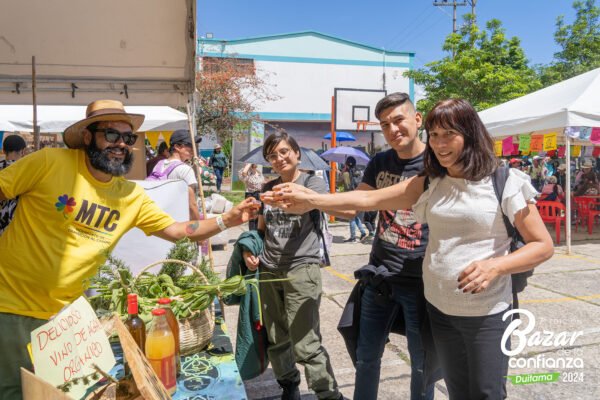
pixel 64 222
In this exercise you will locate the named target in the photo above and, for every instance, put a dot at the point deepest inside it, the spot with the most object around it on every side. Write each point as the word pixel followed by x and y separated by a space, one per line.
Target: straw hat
pixel 97 111
pixel 587 164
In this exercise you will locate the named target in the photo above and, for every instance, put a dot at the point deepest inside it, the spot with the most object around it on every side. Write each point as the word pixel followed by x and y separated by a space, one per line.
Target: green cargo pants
pixel 15 333
pixel 291 317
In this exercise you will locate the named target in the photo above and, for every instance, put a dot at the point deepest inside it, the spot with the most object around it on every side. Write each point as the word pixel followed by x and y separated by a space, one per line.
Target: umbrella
pixel 341 137
pixel 310 160
pixel 340 154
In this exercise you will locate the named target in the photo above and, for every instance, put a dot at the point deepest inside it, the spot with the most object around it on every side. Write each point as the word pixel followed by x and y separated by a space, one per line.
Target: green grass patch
pixel 234 197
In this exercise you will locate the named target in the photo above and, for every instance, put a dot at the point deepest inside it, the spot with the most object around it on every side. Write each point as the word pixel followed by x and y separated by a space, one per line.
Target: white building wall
pixel 304 68
pixel 307 88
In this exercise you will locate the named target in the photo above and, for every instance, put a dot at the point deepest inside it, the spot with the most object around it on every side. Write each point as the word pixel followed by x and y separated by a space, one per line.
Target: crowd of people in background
pixel 549 176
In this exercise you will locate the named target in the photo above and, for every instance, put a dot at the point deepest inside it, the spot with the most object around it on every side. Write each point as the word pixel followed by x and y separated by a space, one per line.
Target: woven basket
pixel 195 332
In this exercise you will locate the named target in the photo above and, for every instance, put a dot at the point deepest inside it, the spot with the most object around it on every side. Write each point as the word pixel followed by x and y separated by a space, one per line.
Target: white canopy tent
pixel 56 118
pixel 72 52
pixel 571 103
pixel 141 52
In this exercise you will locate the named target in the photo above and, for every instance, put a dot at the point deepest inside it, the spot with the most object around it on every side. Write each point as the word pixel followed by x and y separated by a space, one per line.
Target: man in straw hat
pixel 74 204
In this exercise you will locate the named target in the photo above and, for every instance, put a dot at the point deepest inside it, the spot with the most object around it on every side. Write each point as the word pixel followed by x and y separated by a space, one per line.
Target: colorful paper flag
pixel 152 138
pixel 588 150
pixel 507 146
pixel 515 151
pixel 537 142
pixel 498 148
pixel 595 136
pixel 550 141
pixel 573 131
pixel 167 136
pixel 575 151
pixel 561 151
pixel 585 133
pixel 596 152
pixel 524 142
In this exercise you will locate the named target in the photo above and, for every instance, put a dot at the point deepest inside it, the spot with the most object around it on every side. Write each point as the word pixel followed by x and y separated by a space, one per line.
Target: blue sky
pixel 399 25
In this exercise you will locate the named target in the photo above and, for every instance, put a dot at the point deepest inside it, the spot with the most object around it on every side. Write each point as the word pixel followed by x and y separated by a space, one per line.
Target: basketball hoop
pixel 362 125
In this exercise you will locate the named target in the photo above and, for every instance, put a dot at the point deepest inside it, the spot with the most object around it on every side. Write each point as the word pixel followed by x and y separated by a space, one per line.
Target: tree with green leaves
pixel 484 67
pixel 579 43
pixel 229 90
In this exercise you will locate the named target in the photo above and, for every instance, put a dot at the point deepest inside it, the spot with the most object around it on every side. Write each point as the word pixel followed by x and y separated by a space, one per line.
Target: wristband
pixel 220 223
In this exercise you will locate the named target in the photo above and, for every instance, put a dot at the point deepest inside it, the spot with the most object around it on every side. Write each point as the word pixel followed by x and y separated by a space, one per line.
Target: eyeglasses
pixel 281 152
pixel 112 136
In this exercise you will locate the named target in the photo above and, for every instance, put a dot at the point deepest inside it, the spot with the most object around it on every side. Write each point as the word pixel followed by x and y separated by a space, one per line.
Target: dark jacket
pixel 251 342
pixel 349 326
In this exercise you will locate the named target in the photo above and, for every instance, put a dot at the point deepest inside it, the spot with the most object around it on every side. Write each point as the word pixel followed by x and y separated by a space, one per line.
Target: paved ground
pixel 564 295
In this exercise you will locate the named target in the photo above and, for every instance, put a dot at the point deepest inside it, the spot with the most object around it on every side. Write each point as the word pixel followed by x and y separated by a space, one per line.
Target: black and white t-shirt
pixel 399 237
pixel 291 240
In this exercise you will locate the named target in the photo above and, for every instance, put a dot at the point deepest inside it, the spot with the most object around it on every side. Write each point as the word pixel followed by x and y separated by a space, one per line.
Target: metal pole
pixel 454 18
pixel 568 191
pixel 332 171
pixel 36 128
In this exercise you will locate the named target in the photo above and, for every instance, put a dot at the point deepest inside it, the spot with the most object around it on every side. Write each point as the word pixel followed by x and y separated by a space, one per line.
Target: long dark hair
pixel 478 159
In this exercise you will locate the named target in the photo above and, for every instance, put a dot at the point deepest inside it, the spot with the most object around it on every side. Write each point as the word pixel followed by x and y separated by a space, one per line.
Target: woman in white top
pixel 254 181
pixel 467 265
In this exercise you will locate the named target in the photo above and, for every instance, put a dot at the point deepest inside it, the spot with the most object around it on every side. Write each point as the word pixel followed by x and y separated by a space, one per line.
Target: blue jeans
pixel 219 175
pixel 375 323
pixel 353 224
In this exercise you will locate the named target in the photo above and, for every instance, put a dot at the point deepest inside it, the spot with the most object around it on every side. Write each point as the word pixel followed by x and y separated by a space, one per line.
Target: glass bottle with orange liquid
pixel 174 325
pixel 160 350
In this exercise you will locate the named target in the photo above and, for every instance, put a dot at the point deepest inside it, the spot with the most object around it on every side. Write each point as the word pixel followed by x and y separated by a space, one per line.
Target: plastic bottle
pixel 165 303
pixel 160 350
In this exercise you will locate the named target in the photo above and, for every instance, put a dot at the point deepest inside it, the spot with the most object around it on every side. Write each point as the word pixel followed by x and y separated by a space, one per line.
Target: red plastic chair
pixel 553 212
pixel 586 212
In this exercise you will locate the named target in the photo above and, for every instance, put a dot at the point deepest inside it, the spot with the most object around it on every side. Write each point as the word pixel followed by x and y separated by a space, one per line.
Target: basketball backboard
pixel 353 106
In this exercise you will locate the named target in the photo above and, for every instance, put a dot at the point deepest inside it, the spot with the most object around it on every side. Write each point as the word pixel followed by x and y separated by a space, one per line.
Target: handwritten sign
pixel 537 142
pixel 67 346
pixel 498 148
pixel 524 142
pixel 550 141
pixel 507 146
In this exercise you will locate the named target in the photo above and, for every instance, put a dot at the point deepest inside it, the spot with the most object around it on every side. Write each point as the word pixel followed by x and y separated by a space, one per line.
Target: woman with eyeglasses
pixel 468 261
pixel 292 251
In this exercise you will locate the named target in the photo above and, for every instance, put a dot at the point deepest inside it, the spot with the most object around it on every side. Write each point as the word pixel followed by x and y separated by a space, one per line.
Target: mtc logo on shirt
pixel 89 214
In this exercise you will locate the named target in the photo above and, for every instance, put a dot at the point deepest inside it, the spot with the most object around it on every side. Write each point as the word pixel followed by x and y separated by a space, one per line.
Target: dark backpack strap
pixel 316 216
pixel 499 179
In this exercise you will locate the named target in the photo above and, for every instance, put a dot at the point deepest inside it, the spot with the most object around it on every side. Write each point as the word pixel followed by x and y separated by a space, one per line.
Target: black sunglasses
pixel 112 136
